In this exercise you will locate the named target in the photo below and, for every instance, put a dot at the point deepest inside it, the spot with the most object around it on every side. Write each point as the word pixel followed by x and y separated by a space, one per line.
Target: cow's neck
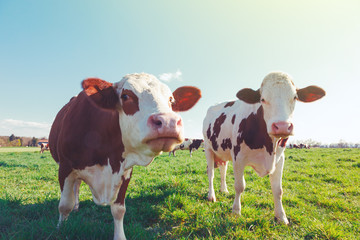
pixel 133 158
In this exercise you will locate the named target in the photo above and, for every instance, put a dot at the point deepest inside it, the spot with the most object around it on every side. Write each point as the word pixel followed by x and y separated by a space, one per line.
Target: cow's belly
pixel 104 184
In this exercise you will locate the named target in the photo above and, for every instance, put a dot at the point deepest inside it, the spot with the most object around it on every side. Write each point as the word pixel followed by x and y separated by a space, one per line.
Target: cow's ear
pixel 101 93
pixel 185 98
pixel 310 94
pixel 248 95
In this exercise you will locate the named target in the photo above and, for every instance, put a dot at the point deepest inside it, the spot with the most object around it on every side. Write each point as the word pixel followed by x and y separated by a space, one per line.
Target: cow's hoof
pixel 284 220
pixel 212 199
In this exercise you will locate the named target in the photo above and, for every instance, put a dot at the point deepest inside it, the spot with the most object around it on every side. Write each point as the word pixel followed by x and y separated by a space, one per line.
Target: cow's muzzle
pixel 281 129
pixel 166 130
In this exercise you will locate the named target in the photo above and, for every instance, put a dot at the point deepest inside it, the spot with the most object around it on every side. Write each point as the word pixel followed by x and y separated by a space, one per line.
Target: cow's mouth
pixel 165 144
pixel 280 135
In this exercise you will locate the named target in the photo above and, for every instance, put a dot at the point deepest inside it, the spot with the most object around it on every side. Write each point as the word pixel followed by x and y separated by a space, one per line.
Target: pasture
pixel 168 200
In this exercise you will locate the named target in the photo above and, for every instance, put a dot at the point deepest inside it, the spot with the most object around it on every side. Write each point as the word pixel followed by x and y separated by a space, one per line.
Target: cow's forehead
pixel 143 82
pixel 277 81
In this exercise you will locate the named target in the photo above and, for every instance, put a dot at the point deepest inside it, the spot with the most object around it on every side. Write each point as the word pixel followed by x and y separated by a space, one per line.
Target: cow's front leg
pixel 210 171
pixel 276 188
pixel 118 207
pixel 67 199
pixel 223 168
pixel 239 184
pixel 118 211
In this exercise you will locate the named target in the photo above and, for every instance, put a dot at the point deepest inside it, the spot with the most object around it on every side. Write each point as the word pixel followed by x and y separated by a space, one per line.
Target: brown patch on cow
pixel 226 143
pixel 229 104
pixel 84 135
pixel 282 142
pixel 216 131
pixel 252 131
pixel 233 119
pixel 124 185
pixel 129 102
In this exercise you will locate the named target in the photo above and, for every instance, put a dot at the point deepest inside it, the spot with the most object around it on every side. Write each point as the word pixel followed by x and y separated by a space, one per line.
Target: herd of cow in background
pixel 100 134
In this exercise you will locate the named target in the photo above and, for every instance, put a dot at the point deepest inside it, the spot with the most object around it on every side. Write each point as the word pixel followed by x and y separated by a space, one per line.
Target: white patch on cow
pixel 103 183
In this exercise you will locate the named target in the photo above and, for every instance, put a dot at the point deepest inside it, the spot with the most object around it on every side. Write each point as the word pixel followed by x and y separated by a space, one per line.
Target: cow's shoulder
pixel 98 136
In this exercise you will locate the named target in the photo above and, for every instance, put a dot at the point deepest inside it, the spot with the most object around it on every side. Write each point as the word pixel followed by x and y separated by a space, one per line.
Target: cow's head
pixel 147 110
pixel 277 96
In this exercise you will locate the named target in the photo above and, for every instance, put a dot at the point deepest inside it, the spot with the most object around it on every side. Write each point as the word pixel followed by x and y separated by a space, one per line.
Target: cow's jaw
pixel 163 144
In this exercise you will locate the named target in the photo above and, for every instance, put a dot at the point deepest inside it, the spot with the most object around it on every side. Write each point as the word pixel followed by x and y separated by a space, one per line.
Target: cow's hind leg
pixel 276 188
pixel 239 184
pixel 67 199
pixel 223 168
pixel 76 193
pixel 210 171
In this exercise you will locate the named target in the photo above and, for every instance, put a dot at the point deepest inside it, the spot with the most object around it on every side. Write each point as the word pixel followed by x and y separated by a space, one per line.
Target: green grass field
pixel 168 200
pixel 19 149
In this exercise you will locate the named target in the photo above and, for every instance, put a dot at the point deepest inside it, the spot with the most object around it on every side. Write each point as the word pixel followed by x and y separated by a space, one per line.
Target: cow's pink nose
pixel 282 128
pixel 164 122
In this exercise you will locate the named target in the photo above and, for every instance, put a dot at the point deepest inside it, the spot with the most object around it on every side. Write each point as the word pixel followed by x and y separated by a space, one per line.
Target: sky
pixel 48 47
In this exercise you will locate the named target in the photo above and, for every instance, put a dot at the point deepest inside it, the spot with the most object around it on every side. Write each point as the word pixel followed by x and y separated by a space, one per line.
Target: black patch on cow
pixel 252 131
pixel 229 104
pixel 195 144
pixel 226 143
pixel 216 131
pixel 233 119
pixel 208 132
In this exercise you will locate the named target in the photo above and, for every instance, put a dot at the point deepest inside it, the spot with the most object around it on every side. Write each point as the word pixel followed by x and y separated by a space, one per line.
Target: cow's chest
pixel 103 183
pixel 259 159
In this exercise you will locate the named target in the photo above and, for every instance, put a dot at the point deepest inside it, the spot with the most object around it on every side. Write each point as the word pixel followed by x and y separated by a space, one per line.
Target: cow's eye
pixel 171 100
pixel 263 100
pixel 125 97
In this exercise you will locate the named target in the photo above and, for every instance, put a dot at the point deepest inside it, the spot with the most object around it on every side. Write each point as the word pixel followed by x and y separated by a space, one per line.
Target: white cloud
pixel 24 128
pixel 168 77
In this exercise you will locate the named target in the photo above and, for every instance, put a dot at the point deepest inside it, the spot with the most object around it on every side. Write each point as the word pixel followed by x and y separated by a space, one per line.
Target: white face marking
pixel 153 97
pixel 278 97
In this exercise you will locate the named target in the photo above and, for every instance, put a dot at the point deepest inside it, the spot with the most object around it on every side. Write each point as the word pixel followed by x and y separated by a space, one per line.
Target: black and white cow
pixel 189 144
pixel 253 131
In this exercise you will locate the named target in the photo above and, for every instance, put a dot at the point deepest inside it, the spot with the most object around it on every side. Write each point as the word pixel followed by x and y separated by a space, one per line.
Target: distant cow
pixel 189 144
pixel 107 129
pixel 44 147
pixel 253 131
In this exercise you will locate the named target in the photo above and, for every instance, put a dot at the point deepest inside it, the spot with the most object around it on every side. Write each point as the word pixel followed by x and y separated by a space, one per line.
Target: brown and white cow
pixel 253 131
pixel 44 147
pixel 107 129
